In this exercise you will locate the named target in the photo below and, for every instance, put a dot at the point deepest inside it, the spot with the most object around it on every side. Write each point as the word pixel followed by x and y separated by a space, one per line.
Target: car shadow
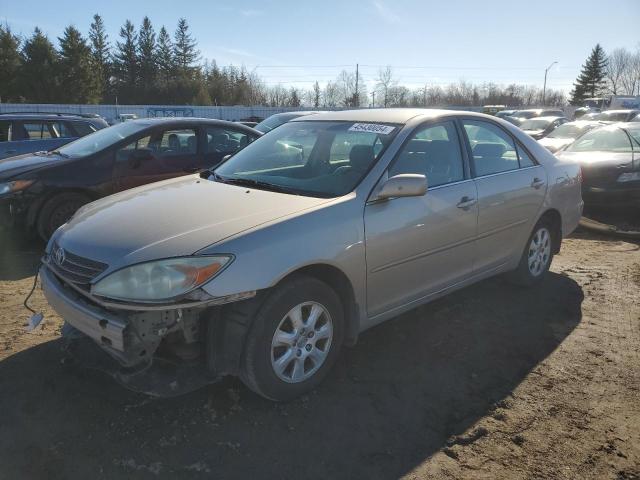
pixel 20 255
pixel 391 402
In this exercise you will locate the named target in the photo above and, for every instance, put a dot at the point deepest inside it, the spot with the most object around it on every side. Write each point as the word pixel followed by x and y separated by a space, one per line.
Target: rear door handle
pixel 466 202
pixel 537 183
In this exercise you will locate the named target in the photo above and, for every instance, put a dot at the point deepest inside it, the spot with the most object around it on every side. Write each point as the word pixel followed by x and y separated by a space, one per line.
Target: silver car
pixel 323 228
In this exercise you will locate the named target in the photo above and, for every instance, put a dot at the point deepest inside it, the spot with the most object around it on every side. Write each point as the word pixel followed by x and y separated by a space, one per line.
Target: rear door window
pixel 225 141
pixel 492 149
pixel 5 131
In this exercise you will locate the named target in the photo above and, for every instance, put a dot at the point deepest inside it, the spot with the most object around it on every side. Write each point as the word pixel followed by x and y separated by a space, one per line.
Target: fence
pixel 111 113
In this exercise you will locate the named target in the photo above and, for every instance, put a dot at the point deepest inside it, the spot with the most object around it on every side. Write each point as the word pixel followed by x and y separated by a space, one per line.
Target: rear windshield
pixel 318 159
pixel 568 131
pixel 602 140
pixel 275 121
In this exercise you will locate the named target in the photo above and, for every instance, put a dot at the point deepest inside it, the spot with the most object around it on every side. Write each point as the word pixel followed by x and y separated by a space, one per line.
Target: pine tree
pixel 9 65
pixel 38 75
pixel 100 50
pixel 125 63
pixel 165 58
pixel 148 64
pixel 78 78
pixel 592 79
pixel 185 51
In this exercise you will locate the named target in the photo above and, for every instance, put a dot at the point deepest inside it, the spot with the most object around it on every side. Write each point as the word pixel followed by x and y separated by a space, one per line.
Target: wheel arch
pixel 555 219
pixel 36 207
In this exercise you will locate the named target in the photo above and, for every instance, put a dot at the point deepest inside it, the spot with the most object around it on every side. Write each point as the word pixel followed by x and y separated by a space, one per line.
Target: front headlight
pixel 629 177
pixel 15 186
pixel 161 279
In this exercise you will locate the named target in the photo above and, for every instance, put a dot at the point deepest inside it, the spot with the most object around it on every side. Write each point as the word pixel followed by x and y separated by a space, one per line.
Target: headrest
pixel 361 156
pixel 191 143
pixel 489 150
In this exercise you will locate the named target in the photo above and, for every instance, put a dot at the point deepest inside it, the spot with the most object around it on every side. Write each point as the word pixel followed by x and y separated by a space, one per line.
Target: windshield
pixel 312 158
pixel 602 140
pixel 100 140
pixel 567 131
pixel 535 124
pixel 524 114
pixel 274 121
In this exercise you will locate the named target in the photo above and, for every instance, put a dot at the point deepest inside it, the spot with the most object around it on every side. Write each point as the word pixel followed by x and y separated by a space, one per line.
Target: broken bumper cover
pixel 105 328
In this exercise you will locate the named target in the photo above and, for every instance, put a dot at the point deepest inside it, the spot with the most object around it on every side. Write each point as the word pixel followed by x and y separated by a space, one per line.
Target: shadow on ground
pixel 390 403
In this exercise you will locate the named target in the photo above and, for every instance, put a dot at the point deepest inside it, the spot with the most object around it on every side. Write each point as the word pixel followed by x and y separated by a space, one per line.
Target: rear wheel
pixel 57 211
pixel 294 340
pixel 537 256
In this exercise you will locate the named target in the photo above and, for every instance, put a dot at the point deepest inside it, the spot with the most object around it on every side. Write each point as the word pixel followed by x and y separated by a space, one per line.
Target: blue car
pixel 33 132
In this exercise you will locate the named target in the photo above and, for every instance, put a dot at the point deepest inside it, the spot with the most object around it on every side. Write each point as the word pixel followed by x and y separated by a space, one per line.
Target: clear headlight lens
pixel 160 280
pixel 629 177
pixel 15 186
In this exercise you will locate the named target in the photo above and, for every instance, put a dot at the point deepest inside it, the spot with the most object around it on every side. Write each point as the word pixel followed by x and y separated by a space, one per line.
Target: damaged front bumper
pixel 155 346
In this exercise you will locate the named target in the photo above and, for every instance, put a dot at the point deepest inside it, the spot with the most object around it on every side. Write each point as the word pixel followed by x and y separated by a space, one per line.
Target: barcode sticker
pixel 372 128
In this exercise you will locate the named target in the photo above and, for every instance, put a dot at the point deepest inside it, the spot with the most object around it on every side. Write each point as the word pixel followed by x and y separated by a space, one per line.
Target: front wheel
pixel 294 340
pixel 537 256
pixel 57 211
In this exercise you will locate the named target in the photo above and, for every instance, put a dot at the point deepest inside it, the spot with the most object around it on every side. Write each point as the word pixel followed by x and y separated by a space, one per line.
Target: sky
pixel 425 42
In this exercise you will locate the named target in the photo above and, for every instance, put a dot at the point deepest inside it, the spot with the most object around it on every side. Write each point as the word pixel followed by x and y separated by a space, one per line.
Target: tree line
pixel 145 66
pixel 617 73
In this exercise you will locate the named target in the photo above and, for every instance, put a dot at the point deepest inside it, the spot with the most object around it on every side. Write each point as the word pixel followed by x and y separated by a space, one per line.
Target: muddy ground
pixel 491 382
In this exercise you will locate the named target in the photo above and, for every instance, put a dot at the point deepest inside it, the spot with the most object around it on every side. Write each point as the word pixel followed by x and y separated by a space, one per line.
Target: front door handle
pixel 466 202
pixel 537 183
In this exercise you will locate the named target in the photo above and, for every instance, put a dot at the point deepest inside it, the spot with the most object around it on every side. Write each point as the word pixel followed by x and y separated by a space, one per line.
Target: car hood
pixel 555 144
pixel 171 218
pixel 12 166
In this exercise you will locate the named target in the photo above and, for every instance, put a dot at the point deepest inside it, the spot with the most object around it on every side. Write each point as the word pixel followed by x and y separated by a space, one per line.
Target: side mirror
pixel 403 185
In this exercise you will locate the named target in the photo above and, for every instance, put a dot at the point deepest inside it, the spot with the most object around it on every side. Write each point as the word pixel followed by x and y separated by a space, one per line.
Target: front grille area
pixel 76 269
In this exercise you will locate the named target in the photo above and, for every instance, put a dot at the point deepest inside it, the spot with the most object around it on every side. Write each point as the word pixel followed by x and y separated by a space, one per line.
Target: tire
pixel 306 357
pixel 57 211
pixel 534 264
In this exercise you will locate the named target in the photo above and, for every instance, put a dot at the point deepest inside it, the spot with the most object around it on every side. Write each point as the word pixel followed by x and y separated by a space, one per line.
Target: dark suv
pixel 32 132
pixel 43 190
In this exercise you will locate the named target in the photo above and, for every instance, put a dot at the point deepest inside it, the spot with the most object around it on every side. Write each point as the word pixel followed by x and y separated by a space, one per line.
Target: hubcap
pixel 301 342
pixel 539 252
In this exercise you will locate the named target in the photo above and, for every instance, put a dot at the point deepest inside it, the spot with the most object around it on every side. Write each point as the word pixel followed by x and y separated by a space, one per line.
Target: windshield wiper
pixel 259 184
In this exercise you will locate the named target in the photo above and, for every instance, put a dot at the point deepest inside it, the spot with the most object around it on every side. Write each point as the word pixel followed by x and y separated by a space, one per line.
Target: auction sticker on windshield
pixel 372 128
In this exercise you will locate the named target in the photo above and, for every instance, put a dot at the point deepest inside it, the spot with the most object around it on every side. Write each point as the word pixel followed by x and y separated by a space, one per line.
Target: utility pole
pixel 544 88
pixel 356 100
pixel 373 101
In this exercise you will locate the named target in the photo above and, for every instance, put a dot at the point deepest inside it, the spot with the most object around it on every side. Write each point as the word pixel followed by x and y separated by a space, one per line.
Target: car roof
pixel 46 116
pixel 192 120
pixel 622 110
pixel 386 115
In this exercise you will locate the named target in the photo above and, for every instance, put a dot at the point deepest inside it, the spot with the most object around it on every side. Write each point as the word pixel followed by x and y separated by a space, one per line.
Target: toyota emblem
pixel 58 256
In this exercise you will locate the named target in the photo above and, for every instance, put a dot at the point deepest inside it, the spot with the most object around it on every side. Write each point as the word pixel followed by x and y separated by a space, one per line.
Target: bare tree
pixel 630 77
pixel 620 60
pixel 385 81
pixel 331 95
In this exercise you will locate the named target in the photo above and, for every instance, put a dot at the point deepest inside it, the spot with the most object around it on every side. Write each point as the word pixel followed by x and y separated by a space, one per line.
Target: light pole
pixel 544 88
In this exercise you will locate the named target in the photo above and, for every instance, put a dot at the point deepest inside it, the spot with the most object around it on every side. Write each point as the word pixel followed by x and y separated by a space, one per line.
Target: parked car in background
pixel 248 124
pixel 610 160
pixel 278 119
pixel 505 113
pixel 617 115
pixel 540 127
pixel 566 133
pixel 522 115
pixel 265 271
pixel 43 190
pixel 493 109
pixel 580 112
pixel 636 118
pixel 33 132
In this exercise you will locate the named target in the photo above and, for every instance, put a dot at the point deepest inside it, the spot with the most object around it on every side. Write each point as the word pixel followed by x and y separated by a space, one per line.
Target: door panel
pixel 508 204
pixel 418 245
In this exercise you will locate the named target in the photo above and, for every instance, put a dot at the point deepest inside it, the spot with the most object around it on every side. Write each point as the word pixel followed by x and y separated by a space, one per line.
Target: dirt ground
pixel 491 382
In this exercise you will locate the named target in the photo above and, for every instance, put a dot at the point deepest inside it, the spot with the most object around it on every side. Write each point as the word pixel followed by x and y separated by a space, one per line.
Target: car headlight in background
pixel 15 186
pixel 629 177
pixel 161 279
